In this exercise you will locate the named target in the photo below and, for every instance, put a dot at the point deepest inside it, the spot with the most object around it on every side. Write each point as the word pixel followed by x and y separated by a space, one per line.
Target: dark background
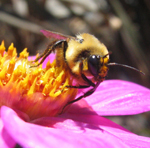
pixel 122 25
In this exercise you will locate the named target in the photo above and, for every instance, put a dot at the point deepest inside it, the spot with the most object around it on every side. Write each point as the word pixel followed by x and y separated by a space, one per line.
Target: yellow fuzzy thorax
pixel 35 91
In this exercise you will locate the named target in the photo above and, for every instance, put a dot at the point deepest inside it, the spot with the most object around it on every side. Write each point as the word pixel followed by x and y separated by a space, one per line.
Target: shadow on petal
pixel 31 135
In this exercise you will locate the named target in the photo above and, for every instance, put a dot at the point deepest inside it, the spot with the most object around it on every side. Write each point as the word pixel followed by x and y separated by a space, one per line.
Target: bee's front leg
pixel 47 52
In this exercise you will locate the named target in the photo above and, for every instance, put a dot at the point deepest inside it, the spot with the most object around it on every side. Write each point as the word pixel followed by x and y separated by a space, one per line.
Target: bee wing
pixel 55 35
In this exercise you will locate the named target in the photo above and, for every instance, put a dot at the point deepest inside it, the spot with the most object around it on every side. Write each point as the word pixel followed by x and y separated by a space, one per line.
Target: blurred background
pixel 122 25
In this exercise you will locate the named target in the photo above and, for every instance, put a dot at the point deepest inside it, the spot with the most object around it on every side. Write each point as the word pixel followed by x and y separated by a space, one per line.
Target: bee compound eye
pixel 94 64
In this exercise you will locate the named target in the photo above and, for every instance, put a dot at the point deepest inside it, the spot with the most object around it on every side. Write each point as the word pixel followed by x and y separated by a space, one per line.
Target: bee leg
pixel 88 93
pixel 87 80
pixel 79 86
pixel 40 56
pixel 43 56
pixel 48 51
pixel 90 83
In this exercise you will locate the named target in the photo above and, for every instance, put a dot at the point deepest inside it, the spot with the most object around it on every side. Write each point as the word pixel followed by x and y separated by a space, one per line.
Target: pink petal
pixel 6 140
pixel 112 128
pixel 118 97
pixel 66 133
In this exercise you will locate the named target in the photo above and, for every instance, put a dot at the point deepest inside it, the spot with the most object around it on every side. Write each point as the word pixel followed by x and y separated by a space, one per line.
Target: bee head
pixel 97 66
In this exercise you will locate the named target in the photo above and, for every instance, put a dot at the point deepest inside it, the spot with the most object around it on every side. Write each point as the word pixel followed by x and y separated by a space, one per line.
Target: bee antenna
pixel 122 65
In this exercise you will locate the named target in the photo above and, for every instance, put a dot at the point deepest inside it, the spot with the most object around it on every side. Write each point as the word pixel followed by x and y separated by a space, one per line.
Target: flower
pixel 81 125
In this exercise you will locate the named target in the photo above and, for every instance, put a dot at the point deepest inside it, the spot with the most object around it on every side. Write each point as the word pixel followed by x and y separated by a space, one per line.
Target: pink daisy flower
pixel 31 102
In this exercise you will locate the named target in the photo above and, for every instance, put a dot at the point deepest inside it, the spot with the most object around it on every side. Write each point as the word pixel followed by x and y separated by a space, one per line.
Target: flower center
pixel 36 91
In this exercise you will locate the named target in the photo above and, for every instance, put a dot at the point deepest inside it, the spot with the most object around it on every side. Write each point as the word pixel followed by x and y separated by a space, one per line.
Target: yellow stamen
pixel 2 48
pixel 12 50
pixel 24 54
pixel 32 87
pixel 34 90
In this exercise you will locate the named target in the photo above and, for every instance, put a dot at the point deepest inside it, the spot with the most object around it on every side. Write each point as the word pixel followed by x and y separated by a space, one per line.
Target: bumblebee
pixel 84 56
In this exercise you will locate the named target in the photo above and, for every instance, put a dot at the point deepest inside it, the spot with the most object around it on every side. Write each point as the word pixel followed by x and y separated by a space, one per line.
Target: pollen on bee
pixel 36 91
